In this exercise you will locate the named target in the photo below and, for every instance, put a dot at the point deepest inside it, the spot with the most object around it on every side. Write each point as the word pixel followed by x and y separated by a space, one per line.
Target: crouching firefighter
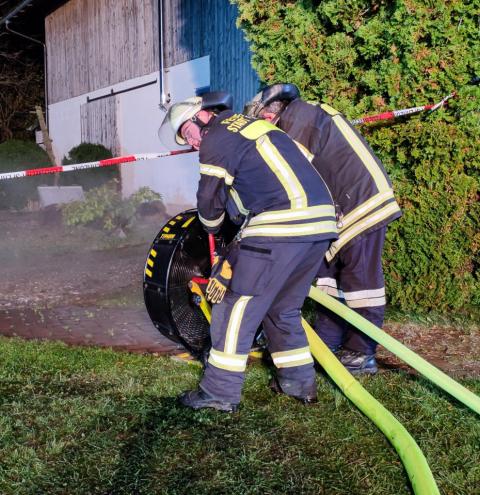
pixel 352 268
pixel 291 222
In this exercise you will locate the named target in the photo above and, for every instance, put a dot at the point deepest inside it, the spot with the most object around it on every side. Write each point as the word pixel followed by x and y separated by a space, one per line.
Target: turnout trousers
pixel 355 277
pixel 270 283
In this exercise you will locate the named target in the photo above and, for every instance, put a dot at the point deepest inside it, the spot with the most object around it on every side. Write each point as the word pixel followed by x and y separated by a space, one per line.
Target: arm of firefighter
pixel 212 197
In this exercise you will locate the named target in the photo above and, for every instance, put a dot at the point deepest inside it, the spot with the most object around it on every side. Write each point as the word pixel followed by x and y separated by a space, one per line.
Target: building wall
pixel 135 113
pixel 104 80
pixel 196 28
pixel 93 44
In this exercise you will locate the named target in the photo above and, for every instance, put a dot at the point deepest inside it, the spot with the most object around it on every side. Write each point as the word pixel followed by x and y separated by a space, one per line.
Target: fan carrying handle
pixel 211 246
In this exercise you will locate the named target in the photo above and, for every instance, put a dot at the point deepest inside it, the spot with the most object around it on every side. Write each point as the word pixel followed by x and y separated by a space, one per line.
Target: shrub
pixel 364 57
pixel 18 155
pixel 105 206
pixel 88 178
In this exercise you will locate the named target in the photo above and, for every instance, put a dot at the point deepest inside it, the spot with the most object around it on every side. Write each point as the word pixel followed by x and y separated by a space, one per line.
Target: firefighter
pixel 268 271
pixel 364 202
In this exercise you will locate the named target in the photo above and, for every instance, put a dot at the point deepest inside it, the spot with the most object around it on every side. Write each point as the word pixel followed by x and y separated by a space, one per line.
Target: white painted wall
pixel 138 119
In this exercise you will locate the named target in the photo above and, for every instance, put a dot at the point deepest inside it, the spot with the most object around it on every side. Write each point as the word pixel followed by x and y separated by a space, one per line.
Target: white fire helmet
pixel 176 116
pixel 180 112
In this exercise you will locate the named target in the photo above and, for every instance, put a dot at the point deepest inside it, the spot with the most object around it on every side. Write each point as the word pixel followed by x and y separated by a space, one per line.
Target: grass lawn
pixel 91 421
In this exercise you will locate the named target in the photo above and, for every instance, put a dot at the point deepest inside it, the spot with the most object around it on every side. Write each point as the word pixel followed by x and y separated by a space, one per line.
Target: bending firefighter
pixel 364 202
pixel 290 224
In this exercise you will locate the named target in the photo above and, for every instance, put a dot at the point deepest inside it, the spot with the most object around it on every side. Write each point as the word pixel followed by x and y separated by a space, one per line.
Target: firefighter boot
pixel 308 399
pixel 358 363
pixel 199 399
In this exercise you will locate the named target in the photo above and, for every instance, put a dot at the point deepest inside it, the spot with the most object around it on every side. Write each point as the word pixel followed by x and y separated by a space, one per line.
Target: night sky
pixel 30 22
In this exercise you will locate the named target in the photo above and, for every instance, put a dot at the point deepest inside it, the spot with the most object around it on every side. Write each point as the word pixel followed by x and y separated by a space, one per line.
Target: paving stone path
pixel 128 329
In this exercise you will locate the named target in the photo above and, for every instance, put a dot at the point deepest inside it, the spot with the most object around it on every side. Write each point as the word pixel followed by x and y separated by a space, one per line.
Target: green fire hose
pixel 425 368
pixel 412 457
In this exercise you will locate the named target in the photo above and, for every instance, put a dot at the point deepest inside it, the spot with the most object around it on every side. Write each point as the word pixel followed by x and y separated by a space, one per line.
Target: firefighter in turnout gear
pixel 290 221
pixel 364 202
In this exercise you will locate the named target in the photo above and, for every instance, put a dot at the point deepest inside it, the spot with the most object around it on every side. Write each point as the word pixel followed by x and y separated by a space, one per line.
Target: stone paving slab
pixel 128 329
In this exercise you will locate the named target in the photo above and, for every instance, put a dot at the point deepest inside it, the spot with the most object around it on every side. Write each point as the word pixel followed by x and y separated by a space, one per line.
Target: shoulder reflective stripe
pixel 367 303
pixel 234 323
pixel 295 357
pixel 212 223
pixel 290 215
pixel 290 230
pixel 257 129
pixel 309 156
pixel 365 207
pixel 360 227
pixel 230 362
pixel 330 110
pixel 216 171
pixel 279 166
pixel 363 153
pixel 238 202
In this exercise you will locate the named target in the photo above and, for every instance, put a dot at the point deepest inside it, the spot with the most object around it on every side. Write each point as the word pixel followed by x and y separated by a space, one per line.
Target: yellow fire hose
pixel 424 367
pixel 409 452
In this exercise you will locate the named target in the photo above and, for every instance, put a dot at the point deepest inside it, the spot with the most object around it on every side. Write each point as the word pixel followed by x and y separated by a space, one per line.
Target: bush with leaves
pixel 105 207
pixel 365 57
pixel 21 155
pixel 88 178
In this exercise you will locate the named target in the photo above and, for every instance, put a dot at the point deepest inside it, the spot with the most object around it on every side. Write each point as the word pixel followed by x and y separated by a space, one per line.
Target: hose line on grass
pixel 412 457
pixel 424 367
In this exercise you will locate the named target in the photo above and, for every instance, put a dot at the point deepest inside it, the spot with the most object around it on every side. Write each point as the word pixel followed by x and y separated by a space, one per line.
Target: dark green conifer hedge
pixel 365 57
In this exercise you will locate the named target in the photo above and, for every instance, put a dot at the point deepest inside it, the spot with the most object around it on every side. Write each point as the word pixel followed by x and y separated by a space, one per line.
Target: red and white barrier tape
pixel 101 163
pixel 400 113
pixel 151 156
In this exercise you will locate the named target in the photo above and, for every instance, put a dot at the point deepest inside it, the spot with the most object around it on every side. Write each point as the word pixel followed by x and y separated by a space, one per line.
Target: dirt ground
pixel 76 285
pixel 83 287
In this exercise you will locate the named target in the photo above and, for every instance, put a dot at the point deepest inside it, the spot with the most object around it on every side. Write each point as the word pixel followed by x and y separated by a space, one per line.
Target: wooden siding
pixel 99 123
pixel 92 44
pixel 195 28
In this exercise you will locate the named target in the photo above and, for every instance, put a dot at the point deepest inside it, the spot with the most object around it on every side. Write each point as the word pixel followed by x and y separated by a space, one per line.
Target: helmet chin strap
pixel 276 118
pixel 204 126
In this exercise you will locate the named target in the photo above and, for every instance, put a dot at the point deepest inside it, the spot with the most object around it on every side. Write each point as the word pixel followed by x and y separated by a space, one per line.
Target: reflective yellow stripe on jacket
pixel 212 223
pixel 282 170
pixel 308 213
pixel 362 152
pixel 215 171
pixel 237 200
pixel 322 227
pixel 358 228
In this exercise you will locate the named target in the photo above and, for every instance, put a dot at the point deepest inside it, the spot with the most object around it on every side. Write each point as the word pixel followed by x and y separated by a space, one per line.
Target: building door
pixel 99 123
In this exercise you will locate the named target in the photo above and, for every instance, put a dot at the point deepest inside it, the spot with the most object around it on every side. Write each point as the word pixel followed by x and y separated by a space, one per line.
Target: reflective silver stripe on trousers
pixel 356 299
